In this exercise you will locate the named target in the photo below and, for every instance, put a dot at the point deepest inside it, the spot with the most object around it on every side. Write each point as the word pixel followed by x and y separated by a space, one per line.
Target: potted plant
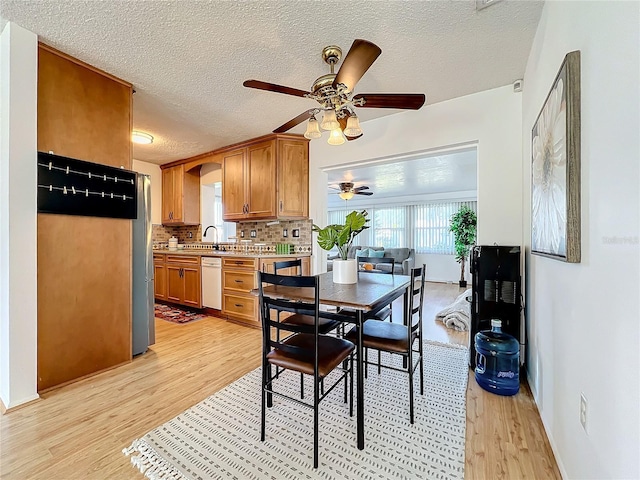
pixel 344 269
pixel 463 225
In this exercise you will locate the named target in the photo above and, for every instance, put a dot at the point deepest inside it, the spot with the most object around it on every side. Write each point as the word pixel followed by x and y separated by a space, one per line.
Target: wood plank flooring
pixel 78 431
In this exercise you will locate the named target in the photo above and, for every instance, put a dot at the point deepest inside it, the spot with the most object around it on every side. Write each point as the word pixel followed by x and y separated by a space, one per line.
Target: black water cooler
pixel 496 293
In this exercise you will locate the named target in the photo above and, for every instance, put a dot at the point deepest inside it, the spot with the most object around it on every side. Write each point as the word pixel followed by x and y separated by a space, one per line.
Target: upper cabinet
pixel 180 196
pixel 265 179
pixel 293 178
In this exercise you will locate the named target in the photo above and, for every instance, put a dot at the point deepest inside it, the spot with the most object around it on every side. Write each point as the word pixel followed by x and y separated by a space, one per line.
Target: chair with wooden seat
pixel 300 348
pixel 399 339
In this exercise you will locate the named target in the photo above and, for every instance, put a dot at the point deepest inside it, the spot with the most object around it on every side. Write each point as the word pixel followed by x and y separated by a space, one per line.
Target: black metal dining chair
pixel 386 312
pixel 399 339
pixel 326 325
pixel 301 348
pixel 374 262
pixel 288 264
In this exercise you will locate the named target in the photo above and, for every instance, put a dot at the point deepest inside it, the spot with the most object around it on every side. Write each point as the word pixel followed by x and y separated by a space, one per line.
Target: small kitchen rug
pixel 176 315
pixel 220 436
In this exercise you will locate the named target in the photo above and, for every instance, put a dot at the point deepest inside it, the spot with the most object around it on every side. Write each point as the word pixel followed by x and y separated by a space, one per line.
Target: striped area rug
pixel 220 436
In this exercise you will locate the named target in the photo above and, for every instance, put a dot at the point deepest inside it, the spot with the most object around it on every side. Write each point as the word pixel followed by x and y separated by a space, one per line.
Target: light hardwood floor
pixel 78 431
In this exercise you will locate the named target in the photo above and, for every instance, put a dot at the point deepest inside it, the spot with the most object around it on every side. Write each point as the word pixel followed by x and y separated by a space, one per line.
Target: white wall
pixel 155 173
pixel 584 319
pixel 492 120
pixel 18 207
pixel 442 268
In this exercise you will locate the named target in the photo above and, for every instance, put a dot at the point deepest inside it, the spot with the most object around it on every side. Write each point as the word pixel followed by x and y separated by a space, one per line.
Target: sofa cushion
pixel 375 253
pixel 363 252
pixel 398 254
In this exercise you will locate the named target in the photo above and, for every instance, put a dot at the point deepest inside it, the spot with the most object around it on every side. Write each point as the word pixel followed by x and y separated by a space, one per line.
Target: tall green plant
pixel 463 225
pixel 342 236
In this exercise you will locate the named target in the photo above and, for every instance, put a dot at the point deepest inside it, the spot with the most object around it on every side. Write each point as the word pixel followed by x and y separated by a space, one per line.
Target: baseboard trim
pixel 547 431
pixel 4 410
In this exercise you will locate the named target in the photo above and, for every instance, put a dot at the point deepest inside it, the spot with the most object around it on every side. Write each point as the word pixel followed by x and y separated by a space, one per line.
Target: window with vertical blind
pixel 424 227
pixel 388 226
pixel 431 226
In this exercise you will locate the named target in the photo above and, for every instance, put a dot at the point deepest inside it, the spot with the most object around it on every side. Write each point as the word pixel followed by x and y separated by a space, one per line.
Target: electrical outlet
pixel 583 411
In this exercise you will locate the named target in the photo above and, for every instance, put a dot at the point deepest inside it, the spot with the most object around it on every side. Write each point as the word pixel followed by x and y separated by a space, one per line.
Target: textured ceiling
pixel 431 175
pixel 187 59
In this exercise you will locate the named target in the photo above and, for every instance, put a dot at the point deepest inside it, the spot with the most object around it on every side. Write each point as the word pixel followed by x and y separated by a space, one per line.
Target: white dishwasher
pixel 212 282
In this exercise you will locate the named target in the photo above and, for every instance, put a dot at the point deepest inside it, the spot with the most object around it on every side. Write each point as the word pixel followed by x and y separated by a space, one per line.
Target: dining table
pixel 371 293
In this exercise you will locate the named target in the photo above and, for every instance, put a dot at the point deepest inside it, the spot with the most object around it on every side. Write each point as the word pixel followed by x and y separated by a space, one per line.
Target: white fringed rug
pixel 220 436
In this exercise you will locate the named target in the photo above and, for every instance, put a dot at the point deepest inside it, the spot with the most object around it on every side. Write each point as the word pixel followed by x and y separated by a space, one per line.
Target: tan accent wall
pixel 84 263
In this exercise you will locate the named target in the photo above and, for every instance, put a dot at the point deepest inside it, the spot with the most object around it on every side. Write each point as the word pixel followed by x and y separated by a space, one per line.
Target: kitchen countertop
pixel 216 253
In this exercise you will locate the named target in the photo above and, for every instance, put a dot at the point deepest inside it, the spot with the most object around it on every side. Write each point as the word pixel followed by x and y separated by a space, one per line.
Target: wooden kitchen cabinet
pixel 293 178
pixel 238 279
pixel 183 280
pixel 180 196
pixel 266 179
pixel 233 185
pixel 159 277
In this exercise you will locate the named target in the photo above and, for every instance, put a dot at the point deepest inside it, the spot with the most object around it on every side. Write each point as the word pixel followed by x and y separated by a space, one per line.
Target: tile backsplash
pixel 267 234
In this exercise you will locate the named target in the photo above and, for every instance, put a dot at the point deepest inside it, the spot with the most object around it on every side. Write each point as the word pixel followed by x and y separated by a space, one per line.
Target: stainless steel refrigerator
pixel 143 321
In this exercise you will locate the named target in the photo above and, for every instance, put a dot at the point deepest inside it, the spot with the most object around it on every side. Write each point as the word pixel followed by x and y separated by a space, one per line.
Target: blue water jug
pixel 497 360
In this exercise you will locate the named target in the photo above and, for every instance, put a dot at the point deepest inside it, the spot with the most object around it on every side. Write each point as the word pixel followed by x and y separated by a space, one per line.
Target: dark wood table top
pixel 365 294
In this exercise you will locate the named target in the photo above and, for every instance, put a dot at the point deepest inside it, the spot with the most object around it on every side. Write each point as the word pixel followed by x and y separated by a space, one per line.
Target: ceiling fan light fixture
pixel 313 129
pixel 353 127
pixel 346 195
pixel 336 137
pixel 329 120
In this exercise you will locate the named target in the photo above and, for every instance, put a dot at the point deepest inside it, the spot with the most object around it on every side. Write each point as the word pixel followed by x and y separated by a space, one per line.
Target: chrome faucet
pixel 215 237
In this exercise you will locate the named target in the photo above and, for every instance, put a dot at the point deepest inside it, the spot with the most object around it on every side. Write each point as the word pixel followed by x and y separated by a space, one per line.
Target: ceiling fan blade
pixel 363 193
pixel 361 56
pixel 294 121
pixel 405 101
pixel 343 124
pixel 272 87
pixel 363 187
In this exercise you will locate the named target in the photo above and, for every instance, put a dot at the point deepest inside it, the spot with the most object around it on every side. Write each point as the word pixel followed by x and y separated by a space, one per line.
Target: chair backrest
pixel 297 264
pixel 416 297
pixel 374 261
pixel 275 302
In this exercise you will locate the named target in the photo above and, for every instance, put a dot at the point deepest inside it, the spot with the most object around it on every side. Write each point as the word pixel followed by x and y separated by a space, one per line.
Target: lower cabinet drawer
pixel 238 281
pixel 242 307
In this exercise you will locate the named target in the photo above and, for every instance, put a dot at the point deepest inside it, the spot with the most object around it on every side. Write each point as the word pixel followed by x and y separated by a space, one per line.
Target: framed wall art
pixel 555 169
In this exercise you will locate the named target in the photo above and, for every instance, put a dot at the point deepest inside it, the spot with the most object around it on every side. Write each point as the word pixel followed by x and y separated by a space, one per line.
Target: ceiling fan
pixel 334 93
pixel 347 190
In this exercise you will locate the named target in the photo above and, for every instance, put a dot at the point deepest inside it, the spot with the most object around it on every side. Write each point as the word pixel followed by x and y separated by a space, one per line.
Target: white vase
pixel 345 271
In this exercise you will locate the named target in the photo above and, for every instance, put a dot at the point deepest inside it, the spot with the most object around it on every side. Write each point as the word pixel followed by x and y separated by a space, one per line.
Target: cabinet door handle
pixel 280 205
pixel 239 281
pixel 238 305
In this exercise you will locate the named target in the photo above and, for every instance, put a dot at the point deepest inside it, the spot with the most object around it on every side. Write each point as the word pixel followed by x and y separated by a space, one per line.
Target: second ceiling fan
pixel 334 93
pixel 347 190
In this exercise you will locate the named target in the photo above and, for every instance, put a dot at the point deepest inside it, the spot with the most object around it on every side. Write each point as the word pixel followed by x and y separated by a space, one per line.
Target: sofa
pixel 404 258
